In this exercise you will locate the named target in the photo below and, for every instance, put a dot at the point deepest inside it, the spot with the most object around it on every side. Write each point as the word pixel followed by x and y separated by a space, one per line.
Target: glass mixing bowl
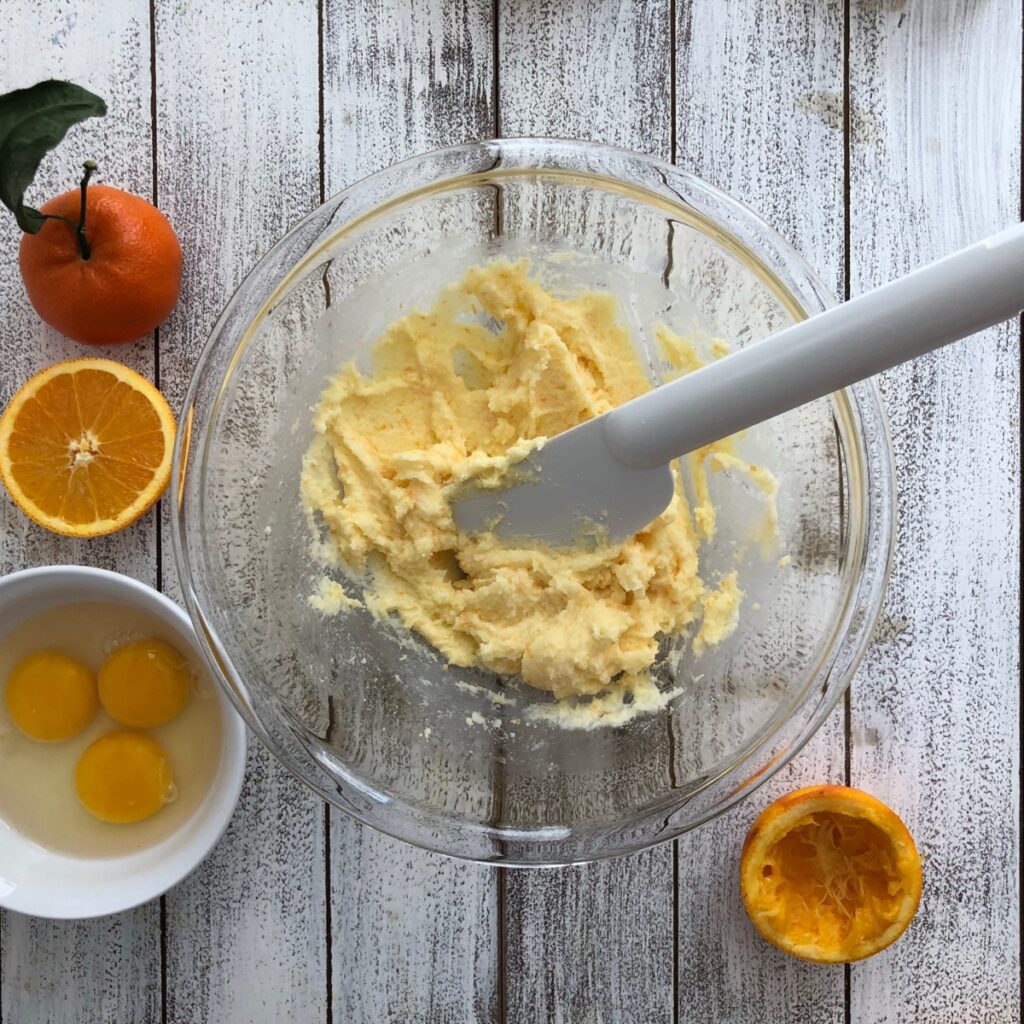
pixel 373 719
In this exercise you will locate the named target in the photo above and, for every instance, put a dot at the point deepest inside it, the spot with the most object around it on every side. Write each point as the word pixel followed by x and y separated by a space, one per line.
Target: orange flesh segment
pixel 87 446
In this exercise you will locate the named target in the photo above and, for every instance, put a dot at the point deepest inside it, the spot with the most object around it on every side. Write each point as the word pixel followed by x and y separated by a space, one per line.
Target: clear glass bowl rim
pixel 796 286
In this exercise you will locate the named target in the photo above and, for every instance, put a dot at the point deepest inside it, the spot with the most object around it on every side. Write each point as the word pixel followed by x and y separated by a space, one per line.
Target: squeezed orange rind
pixel 830 874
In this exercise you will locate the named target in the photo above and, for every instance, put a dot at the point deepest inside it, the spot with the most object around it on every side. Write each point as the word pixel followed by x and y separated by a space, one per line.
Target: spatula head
pixel 571 491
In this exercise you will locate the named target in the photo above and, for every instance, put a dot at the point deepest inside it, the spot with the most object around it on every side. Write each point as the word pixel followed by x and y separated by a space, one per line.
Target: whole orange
pixel 129 283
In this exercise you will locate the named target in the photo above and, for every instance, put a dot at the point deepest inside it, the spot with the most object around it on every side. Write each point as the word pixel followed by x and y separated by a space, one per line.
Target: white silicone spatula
pixel 613 471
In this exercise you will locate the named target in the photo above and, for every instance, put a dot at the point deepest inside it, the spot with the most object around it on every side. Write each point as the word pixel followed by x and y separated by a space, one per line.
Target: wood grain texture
pixel 107 968
pixel 269 930
pixel 238 162
pixel 592 943
pixel 587 71
pixel 936 709
pixel 758 87
pixel 415 936
pixel 402 78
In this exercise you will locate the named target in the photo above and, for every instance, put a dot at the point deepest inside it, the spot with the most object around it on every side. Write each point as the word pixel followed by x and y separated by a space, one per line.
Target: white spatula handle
pixel 938 304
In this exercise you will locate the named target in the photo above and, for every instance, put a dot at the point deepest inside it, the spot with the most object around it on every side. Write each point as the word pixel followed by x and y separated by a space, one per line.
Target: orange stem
pixel 83 242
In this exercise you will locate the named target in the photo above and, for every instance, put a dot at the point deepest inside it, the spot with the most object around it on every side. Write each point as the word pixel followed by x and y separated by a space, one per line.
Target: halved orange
pixel 85 447
pixel 830 874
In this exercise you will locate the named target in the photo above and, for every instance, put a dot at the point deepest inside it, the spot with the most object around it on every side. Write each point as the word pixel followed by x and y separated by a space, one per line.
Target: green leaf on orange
pixel 32 122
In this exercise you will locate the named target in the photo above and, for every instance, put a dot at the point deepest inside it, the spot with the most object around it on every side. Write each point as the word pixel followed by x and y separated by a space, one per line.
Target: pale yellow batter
pixel 449 400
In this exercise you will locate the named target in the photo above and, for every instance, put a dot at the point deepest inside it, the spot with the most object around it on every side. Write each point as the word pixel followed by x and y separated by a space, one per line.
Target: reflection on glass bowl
pixel 372 718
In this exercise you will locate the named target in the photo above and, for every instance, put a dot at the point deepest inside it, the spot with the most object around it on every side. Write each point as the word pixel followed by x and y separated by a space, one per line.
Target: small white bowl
pixel 34 880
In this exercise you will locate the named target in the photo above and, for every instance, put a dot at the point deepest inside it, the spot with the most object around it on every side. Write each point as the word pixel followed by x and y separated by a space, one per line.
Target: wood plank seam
pixel 673 102
pixel 159 510
pixel 847 142
pixel 501 893
pixel 328 912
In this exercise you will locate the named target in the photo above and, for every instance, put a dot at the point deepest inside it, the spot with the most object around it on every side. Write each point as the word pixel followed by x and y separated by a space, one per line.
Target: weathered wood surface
pixel 300 915
pixel 109 968
pixel 936 708
pixel 753 81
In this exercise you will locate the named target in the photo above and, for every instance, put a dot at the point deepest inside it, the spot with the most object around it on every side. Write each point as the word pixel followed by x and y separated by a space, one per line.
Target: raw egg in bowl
pixel 121 761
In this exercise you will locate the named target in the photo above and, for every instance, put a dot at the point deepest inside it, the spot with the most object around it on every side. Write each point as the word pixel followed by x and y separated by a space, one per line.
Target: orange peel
pixel 830 874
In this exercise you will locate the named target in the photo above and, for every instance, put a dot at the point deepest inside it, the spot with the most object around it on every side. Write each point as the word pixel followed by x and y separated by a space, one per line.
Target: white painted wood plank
pixel 238 163
pixel 587 71
pixel 402 78
pixel 415 936
pixel 591 943
pixel 108 969
pixel 936 106
pixel 759 86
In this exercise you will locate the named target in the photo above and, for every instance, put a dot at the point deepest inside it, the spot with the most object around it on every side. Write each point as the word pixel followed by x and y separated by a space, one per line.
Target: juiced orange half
pixel 830 874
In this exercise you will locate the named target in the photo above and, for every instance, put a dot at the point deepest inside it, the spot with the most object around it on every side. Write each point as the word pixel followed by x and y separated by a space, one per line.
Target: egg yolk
pixel 124 777
pixel 50 696
pixel 144 684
